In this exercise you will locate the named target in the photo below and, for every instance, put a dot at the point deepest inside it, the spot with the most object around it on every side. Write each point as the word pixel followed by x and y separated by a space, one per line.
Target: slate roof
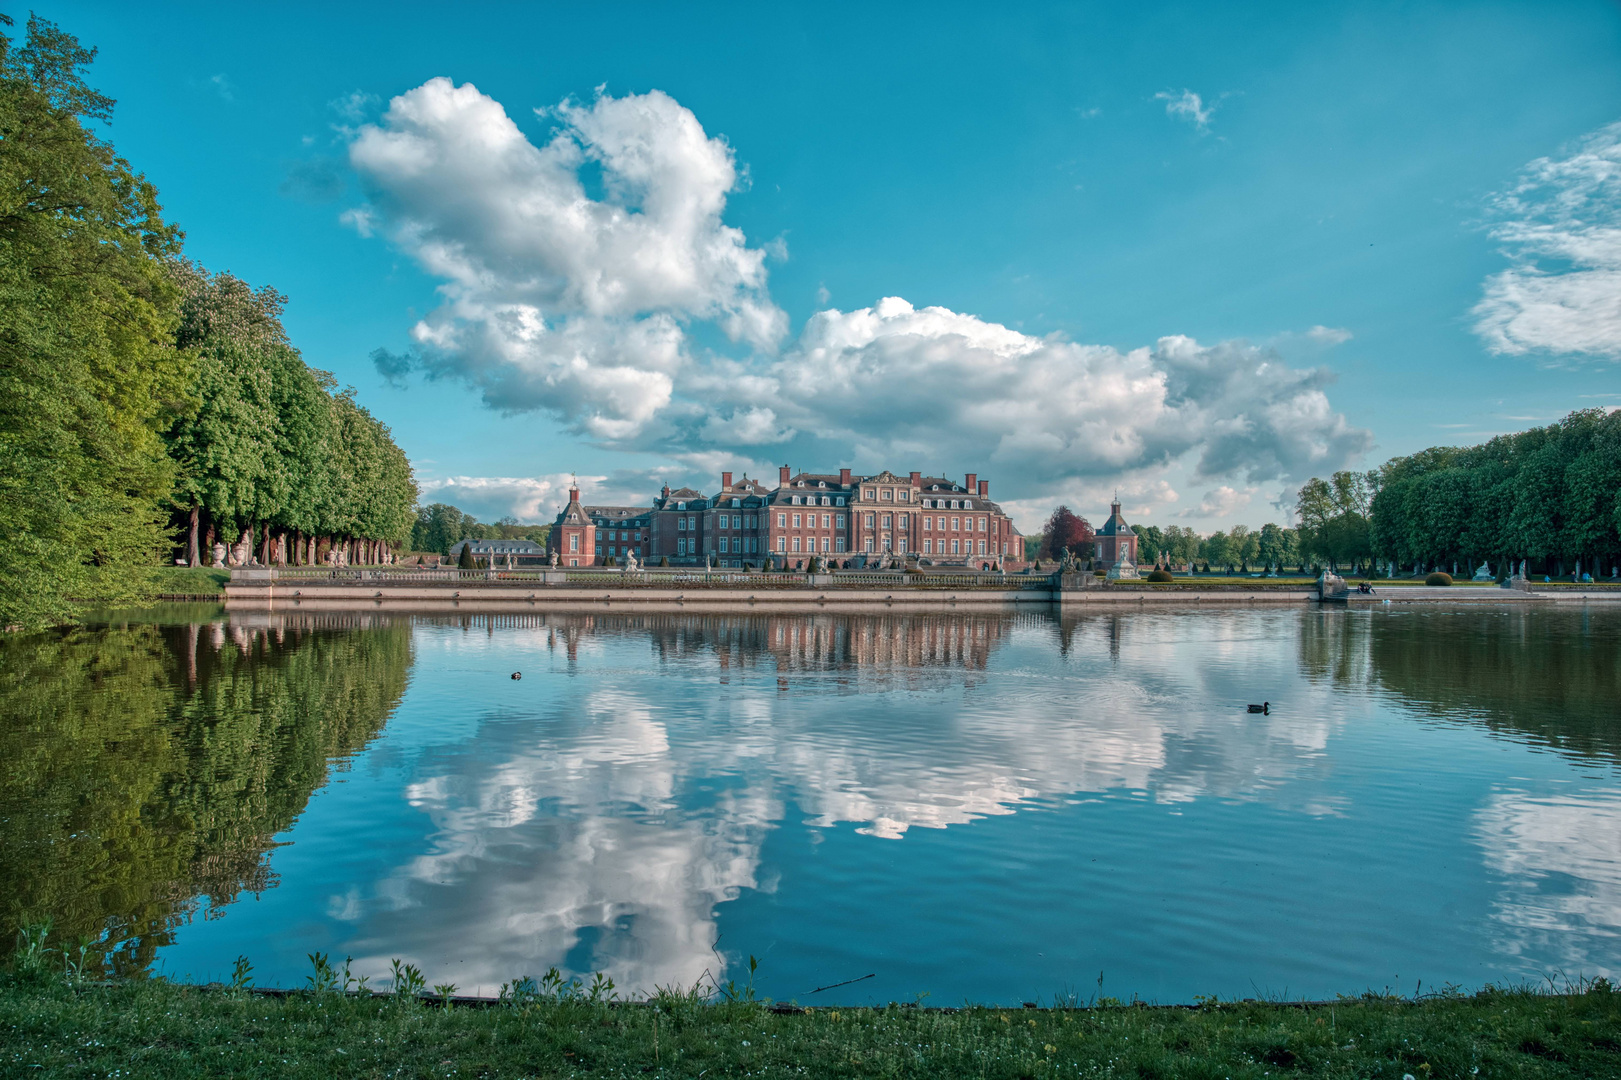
pixel 616 513
pixel 1116 525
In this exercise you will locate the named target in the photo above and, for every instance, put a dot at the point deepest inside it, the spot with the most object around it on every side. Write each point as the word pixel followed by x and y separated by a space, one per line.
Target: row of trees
pixel 439 526
pixel 138 392
pixel 1550 496
pixel 271 456
pixel 1174 545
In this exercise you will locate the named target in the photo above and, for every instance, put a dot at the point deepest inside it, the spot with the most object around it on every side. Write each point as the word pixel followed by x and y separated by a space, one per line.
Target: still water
pixel 995 808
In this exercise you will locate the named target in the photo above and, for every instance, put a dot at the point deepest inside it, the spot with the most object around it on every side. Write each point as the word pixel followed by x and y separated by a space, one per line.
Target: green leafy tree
pixel 89 373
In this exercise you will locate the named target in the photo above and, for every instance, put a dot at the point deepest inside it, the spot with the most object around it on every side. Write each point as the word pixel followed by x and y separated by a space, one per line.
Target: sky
pixel 1192 254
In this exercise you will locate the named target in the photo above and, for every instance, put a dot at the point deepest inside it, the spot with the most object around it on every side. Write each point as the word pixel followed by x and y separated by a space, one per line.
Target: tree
pixel 1150 543
pixel 1244 546
pixel 1067 531
pixel 465 560
pixel 89 373
pixel 1217 550
pixel 1334 515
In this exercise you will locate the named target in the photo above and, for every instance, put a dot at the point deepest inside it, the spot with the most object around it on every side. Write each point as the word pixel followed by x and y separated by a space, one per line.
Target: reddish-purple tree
pixel 1065 529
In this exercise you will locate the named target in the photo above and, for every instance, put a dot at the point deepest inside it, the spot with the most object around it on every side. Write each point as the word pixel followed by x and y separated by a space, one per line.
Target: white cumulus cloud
pixel 555 298
pixel 1560 225
pixel 897 382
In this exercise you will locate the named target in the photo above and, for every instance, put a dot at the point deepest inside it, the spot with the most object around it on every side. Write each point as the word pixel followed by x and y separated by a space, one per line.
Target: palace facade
pixel 835 516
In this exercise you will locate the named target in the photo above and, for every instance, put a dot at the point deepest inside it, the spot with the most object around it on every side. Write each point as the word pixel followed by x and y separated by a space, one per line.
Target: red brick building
pixel 834 516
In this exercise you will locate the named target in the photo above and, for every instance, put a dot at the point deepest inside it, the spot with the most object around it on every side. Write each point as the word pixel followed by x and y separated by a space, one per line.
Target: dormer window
pixel 821 483
pixel 934 487
pixel 839 501
pixel 680 506
pixel 736 503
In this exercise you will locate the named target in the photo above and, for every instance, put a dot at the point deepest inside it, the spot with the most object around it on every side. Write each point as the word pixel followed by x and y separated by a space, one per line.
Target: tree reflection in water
pixel 148 765
pixel 1546 676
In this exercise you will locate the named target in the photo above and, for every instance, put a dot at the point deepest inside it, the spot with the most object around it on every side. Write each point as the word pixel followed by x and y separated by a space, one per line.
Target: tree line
pixel 140 395
pixel 1549 497
pixel 439 526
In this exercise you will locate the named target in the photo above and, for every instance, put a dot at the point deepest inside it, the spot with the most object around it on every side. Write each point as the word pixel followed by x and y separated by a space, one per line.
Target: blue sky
pixel 1194 253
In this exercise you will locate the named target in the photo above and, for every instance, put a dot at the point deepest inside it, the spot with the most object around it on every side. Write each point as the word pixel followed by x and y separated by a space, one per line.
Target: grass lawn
pixel 191 581
pixel 160 1030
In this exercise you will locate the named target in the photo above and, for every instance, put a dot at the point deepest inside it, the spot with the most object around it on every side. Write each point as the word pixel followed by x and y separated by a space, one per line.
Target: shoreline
pixel 153 1027
pixel 439 591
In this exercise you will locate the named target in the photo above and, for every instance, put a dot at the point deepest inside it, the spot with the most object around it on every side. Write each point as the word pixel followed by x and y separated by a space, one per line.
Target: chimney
pixel 726 481
pixel 573 494
pixel 666 491
pixel 984 489
pixel 917 478
pixel 844 477
pixel 970 485
pixel 782 476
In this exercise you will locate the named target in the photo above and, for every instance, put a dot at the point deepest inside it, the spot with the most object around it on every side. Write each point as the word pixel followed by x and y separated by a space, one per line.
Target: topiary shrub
pixel 664 561
pixel 1160 575
pixel 1438 578
pixel 464 561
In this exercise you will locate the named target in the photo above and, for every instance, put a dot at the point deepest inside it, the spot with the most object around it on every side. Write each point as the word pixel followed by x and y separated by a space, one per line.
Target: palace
pixel 834 516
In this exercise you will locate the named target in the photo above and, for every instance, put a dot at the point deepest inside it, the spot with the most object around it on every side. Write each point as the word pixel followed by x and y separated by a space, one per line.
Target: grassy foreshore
pixel 161 1030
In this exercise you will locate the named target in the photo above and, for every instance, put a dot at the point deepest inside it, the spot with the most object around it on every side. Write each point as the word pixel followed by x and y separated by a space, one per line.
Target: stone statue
pixel 219 554
pixel 554 560
pixel 631 565
pixel 1123 569
pixel 1483 573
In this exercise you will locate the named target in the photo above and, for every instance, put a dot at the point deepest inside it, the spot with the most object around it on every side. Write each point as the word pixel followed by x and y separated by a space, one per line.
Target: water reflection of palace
pixel 793 642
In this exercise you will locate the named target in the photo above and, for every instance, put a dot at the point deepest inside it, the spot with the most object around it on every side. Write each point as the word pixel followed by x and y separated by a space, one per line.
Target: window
pixel 886 543
pixel 824 500
pixel 680 506
pixel 723 545
pixel 796 543
pixel 825 520
pixel 927 523
pixel 841 521
pixel 903 520
pixel 782 543
pixel 866 493
pixel 782 521
pixel 796 521
pixel 889 494
pixel 956 523
pixel 928 545
pixel 723 521
pixel 906 496
pixel 574 562
pixel 954 550
pixel 736 503
pixel 838 543
pixel 982 547
pixel 886 521
pixel 821 483
pixel 574 542
pixel 981 524
pixel 868 544
pixel 681 546
pixel 824 543
pixel 839 501
pixel 900 544
pixel 869 521
pixel 795 500
pixel 940 523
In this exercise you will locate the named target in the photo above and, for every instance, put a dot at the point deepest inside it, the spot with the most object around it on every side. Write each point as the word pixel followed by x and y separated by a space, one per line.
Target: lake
pixel 985 807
